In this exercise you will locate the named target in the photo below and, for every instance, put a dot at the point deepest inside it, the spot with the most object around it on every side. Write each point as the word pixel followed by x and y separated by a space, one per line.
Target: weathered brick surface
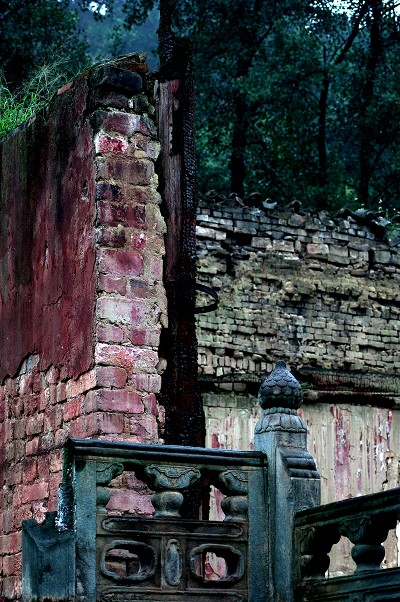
pixel 107 389
pixel 321 292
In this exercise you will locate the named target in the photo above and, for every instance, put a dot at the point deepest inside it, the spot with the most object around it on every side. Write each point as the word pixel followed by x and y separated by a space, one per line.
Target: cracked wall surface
pixel 82 300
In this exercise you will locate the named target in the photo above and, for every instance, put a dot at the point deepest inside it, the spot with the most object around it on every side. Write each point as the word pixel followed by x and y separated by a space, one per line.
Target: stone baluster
pixel 105 473
pixel 233 484
pixel 168 482
pixel 312 546
pixel 367 535
pixel 293 481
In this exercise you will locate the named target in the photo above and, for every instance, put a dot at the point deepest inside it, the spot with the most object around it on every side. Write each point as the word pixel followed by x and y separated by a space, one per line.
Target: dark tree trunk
pixel 237 164
pixel 180 395
pixel 366 123
pixel 184 423
pixel 322 144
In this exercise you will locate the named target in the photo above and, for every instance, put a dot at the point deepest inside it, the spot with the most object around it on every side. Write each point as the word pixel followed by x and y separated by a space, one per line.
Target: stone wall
pixel 81 296
pixel 319 291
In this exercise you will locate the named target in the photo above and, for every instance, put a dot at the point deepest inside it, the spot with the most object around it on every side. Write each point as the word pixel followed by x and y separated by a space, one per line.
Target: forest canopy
pixel 298 100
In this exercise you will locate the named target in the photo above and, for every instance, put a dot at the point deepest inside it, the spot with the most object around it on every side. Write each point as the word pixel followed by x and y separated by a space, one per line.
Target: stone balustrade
pixel 365 521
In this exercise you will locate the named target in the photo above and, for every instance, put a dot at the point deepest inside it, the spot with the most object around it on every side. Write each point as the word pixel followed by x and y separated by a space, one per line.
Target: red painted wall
pixel 47 283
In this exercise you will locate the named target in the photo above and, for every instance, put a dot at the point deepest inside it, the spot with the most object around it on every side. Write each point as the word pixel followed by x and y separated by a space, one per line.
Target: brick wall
pixel 318 291
pixel 82 302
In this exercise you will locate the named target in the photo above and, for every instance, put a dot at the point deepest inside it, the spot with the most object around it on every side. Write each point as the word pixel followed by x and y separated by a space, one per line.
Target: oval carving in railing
pixel 173 563
pixel 216 562
pixel 128 561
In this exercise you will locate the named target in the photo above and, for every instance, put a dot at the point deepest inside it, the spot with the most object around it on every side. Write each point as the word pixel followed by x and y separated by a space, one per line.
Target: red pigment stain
pixel 112 145
pixel 215 441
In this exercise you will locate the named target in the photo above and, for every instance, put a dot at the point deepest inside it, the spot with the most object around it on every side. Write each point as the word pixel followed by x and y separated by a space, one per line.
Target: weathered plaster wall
pixel 81 300
pixel 46 241
pixel 356 448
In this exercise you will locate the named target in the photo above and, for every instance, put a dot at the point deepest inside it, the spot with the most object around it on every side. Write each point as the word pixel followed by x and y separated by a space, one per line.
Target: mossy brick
pixel 108 333
pixel 16 476
pixel 31 404
pixel 110 376
pixel 114 78
pixel 145 195
pixel 107 191
pixel 133 359
pixel 145 336
pixel 36 491
pixel 149 148
pixel 53 418
pixel 105 423
pixel 83 383
pixel 144 428
pixel 150 404
pixel 148 382
pixel 139 241
pixel 118 214
pixel 30 470
pixel 110 284
pixel 122 311
pixel 112 214
pixel 34 425
pixel 141 289
pixel 10 544
pixel 138 172
pixel 106 144
pixel 123 123
pixel 73 408
pixel 43 467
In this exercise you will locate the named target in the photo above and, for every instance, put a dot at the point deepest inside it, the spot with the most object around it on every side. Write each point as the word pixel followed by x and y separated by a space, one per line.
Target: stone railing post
pixel 294 483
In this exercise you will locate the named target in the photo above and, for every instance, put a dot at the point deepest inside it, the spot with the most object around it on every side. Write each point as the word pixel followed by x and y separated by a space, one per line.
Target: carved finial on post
pixel 280 388
pixel 280 396
pixel 293 480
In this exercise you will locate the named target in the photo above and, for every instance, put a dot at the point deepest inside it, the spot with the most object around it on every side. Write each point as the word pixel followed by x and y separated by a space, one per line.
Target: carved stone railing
pixel 82 553
pixel 161 557
pixel 365 521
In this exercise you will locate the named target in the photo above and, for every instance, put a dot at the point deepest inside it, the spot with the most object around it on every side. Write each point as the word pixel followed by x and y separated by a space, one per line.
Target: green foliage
pixel 18 106
pixel 320 100
pixel 111 36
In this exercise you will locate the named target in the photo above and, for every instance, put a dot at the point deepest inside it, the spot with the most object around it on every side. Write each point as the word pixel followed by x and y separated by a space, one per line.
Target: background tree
pixel 31 33
pixel 299 100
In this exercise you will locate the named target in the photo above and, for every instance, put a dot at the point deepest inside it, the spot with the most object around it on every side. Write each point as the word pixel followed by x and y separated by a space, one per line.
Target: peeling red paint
pixel 389 428
pixel 215 441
